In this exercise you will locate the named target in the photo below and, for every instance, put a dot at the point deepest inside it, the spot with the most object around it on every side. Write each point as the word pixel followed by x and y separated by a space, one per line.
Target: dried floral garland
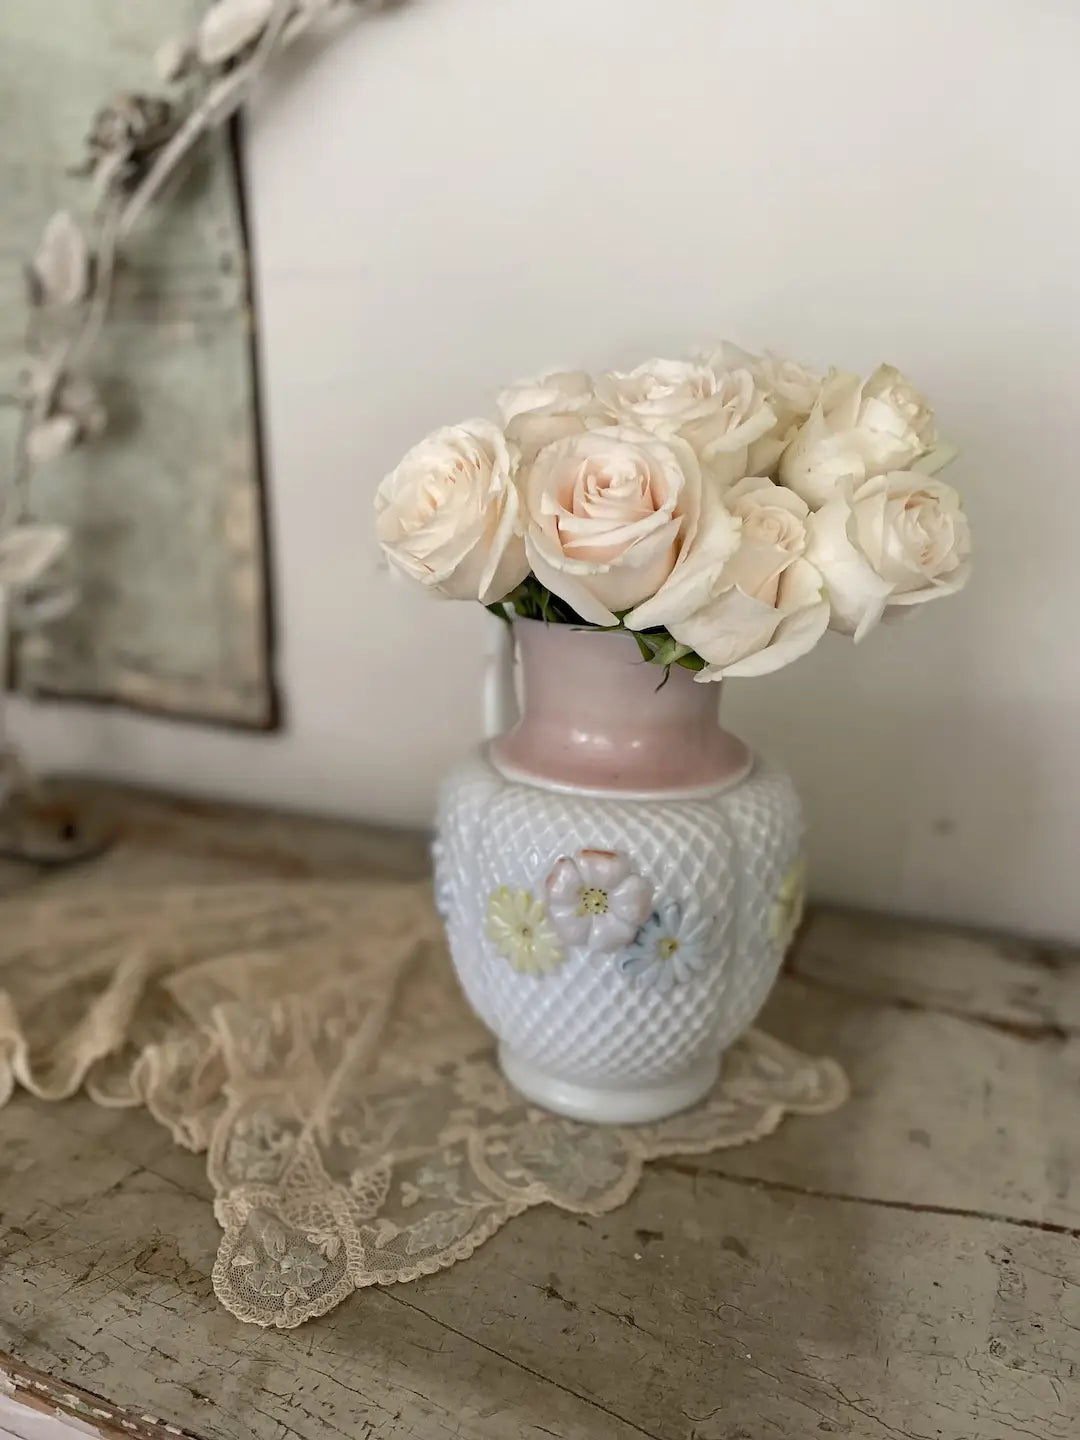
pixel 136 144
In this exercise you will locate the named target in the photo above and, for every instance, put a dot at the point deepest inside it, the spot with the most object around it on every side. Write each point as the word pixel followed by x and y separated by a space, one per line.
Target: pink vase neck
pixel 596 717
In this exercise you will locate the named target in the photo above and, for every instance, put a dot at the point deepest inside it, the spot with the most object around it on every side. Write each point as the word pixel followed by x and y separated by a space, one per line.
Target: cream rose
pixel 764 605
pixel 856 430
pixel 791 389
pixel 719 414
pixel 536 412
pixel 610 514
pixel 449 515
pixel 895 539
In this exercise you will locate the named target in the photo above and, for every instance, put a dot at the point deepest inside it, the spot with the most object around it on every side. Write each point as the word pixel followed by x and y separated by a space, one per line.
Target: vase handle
pixel 500 696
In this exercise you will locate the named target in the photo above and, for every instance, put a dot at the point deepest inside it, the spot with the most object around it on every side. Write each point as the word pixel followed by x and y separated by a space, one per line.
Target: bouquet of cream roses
pixel 726 510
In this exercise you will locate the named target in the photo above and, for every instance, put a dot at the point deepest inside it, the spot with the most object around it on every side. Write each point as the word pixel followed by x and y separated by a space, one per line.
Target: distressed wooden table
pixel 908 1267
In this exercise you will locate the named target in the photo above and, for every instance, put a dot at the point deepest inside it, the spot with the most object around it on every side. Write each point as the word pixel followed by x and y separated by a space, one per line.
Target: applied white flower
pixel 668 950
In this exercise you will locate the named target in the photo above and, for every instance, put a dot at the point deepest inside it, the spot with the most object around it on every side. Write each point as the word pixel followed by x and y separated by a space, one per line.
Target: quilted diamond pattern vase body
pixel 616 936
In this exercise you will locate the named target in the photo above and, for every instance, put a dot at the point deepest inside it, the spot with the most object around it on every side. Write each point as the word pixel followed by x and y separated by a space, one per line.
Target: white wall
pixel 463 191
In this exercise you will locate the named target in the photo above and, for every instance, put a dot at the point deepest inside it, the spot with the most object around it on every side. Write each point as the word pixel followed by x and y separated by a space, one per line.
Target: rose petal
pixel 505 564
pixel 692 581
pixel 794 637
pixel 935 460
pixel 608 516
pixel 857 594
pixel 448 515
pixel 567 586
pixel 728 628
pixel 896 535
pixel 508 574
pixel 644 568
pixel 756 568
pixel 534 431
pixel 566 389
pixel 936 590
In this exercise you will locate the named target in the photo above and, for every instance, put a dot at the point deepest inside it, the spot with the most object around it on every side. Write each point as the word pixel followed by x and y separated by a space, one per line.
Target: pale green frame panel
pixel 167 509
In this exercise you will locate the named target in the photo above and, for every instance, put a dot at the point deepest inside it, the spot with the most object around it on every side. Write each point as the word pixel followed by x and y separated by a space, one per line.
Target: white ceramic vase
pixel 619 879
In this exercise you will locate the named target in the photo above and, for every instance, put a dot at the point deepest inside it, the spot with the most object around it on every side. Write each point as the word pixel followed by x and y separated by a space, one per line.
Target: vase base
pixel 631 1104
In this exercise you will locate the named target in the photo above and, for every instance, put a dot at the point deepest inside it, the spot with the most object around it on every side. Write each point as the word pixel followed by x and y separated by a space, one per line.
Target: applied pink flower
pixel 596 901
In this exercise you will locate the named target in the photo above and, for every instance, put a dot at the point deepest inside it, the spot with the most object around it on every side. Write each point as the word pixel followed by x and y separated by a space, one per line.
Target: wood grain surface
pixel 908 1267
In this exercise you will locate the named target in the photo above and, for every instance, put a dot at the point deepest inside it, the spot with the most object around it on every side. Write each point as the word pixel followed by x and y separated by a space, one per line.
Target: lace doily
pixel 312 1039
